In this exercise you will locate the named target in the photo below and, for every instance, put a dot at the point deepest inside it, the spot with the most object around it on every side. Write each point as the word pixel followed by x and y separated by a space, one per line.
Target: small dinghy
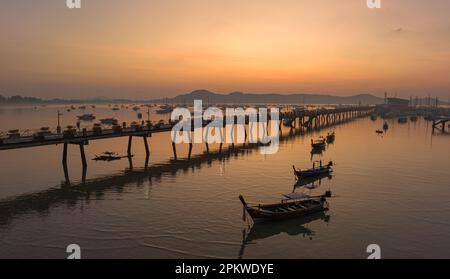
pixel 292 206
pixel 315 171
pixel 379 132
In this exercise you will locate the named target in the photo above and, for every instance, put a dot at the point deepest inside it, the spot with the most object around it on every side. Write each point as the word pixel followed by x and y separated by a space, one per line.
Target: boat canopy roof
pixel 296 196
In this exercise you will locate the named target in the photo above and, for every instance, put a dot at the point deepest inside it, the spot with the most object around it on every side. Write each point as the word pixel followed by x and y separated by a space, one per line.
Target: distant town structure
pixel 397 104
pixel 393 105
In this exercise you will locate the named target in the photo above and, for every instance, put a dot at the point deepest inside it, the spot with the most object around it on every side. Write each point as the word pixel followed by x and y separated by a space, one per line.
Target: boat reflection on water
pixel 291 227
pixel 312 181
pixel 318 152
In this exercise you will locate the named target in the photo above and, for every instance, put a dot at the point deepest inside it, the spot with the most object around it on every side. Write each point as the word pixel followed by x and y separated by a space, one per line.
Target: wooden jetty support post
pixel 442 123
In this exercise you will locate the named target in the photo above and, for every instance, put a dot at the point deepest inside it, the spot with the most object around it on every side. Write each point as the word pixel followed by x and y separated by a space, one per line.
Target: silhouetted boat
pixel 294 205
pixel 164 109
pixel 318 144
pixel 379 132
pixel 314 171
pixel 402 120
pixel 109 121
pixel 385 126
pixel 109 156
pixel 373 117
pixel 86 117
pixel 331 137
pixel 413 118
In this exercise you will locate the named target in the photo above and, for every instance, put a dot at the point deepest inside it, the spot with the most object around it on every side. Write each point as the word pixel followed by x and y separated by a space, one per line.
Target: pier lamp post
pixel 58 128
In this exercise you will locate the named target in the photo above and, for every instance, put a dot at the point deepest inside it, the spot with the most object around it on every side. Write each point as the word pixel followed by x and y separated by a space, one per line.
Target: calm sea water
pixel 391 190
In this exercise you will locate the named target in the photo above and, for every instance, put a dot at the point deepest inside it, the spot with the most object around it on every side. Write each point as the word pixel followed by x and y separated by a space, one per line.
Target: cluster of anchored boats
pixel 296 204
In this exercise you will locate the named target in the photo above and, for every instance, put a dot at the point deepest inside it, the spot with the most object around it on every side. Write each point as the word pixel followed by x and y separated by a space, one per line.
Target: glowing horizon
pixel 153 49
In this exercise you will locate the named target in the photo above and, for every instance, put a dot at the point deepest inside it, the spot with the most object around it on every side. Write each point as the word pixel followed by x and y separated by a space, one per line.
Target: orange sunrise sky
pixel 147 49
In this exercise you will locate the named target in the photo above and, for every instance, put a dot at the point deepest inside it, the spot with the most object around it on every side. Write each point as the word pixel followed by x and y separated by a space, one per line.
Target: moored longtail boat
pixel 331 137
pixel 315 171
pixel 287 208
pixel 318 144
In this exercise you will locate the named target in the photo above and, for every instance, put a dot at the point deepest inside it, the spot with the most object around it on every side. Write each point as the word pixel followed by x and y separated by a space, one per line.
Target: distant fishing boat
pixel 413 118
pixel 293 205
pixel 164 110
pixel 379 131
pixel 402 120
pixel 109 121
pixel 319 143
pixel 314 171
pixel 86 117
pixel 115 108
pixel 373 117
pixel 136 108
pixel 331 137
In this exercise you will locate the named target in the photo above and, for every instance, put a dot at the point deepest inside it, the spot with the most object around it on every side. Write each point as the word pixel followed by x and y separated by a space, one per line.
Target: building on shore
pixel 393 106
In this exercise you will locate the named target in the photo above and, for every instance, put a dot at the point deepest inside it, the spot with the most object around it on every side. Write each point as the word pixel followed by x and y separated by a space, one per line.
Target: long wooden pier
pixel 306 120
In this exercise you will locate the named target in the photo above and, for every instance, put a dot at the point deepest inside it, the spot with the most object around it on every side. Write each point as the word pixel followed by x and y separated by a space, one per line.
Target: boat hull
pixel 312 173
pixel 259 215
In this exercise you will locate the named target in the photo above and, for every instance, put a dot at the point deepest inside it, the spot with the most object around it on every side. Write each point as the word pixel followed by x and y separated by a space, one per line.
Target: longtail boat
pixel 294 205
pixel 331 137
pixel 315 171
pixel 318 144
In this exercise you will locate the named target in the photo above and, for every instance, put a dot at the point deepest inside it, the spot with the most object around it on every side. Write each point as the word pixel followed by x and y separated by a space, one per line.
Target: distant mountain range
pixel 253 98
pixel 209 97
